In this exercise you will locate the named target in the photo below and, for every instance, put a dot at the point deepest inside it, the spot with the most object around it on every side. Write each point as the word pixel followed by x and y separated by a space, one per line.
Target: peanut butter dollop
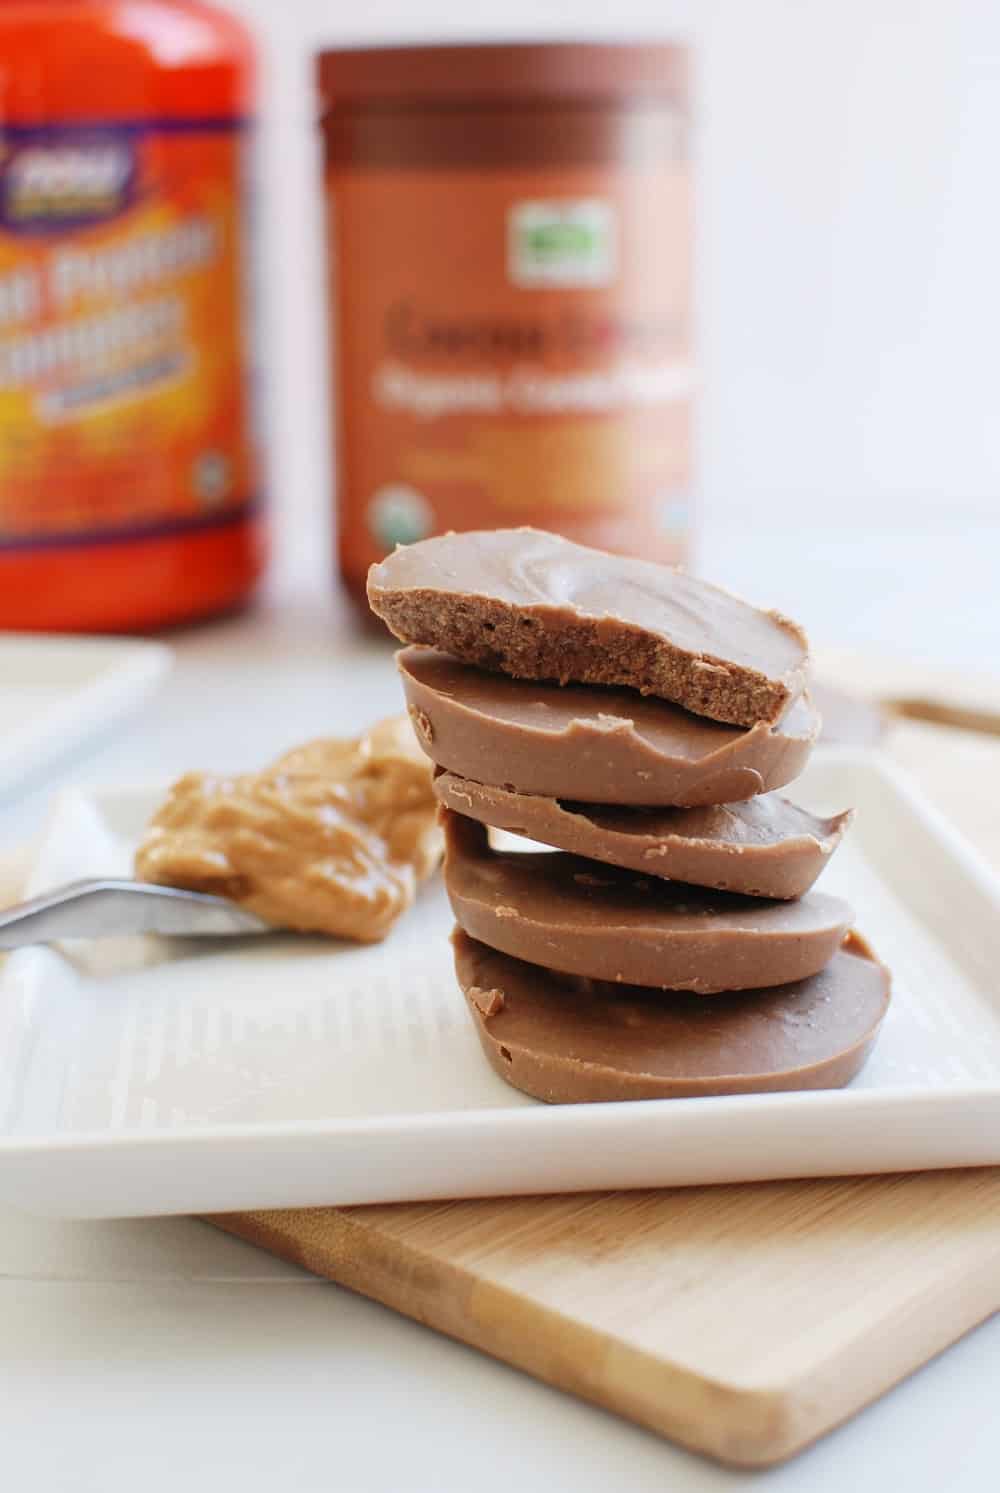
pixel 334 837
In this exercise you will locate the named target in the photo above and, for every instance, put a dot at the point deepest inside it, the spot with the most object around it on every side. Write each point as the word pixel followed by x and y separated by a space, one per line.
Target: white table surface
pixel 159 1354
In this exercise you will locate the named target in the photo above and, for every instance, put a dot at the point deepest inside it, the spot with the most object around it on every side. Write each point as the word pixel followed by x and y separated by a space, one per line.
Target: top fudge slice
pixel 529 604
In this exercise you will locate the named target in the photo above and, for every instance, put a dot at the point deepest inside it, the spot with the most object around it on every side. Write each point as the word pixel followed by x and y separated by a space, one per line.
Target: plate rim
pixel 133 668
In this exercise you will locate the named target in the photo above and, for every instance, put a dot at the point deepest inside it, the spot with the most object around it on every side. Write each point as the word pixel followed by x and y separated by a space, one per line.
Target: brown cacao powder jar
pixel 510 286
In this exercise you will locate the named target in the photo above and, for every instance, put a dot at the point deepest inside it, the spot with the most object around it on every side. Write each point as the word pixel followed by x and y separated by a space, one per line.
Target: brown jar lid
pixel 611 71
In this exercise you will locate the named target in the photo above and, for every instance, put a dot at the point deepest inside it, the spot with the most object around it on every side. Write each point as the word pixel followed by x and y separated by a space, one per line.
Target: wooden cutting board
pixel 741 1321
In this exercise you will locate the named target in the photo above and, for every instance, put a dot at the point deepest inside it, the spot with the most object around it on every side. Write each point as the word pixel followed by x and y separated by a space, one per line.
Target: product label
pixel 514 348
pixel 562 243
pixel 122 403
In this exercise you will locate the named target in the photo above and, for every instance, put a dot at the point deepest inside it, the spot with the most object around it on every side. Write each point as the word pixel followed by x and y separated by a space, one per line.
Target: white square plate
pixel 141 1077
pixel 55 691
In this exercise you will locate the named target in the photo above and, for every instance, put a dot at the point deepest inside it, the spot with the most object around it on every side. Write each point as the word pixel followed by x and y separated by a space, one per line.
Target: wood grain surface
pixel 741 1321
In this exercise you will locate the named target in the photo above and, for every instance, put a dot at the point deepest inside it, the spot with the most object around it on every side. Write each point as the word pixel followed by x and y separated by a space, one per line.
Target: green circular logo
pixel 398 514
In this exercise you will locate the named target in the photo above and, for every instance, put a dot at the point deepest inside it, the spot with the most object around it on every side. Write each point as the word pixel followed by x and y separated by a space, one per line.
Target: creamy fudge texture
pixel 766 847
pixel 567 913
pixel 570 1040
pixel 594 743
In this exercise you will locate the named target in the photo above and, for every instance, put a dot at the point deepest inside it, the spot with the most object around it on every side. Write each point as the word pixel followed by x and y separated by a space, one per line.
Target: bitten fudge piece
pixel 535 606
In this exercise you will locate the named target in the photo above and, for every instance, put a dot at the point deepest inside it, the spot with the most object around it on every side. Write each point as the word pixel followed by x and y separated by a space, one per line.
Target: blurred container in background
pixel 128 475
pixel 510 246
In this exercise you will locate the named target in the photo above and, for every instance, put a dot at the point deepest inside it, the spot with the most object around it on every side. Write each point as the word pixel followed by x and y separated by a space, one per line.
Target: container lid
pixel 371 76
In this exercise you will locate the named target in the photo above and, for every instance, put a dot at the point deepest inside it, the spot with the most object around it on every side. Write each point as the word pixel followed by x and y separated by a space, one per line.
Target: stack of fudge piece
pixel 638 721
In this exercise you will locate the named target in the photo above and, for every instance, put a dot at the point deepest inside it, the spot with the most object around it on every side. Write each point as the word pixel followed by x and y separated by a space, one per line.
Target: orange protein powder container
pixel 128 475
pixel 510 287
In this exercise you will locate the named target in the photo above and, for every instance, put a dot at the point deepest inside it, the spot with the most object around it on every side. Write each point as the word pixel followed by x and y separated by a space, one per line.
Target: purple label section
pixel 54 180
